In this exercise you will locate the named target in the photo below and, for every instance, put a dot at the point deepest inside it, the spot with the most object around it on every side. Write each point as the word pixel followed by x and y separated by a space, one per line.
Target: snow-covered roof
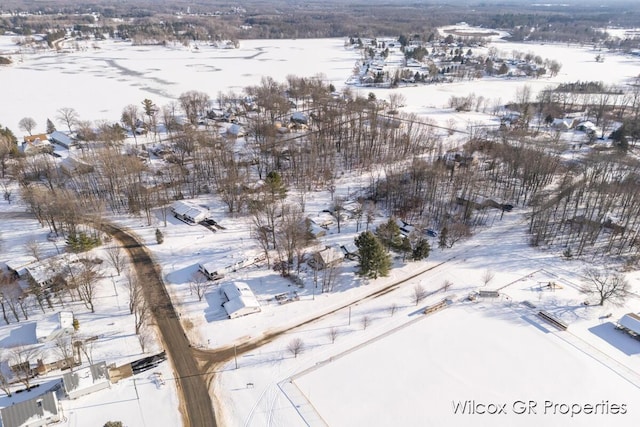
pixel 39 411
pixel 61 138
pixel 189 211
pixel 235 130
pixel 86 380
pixel 54 326
pixel 631 321
pixel 241 299
pixel 19 264
pixel 329 255
pixel 72 164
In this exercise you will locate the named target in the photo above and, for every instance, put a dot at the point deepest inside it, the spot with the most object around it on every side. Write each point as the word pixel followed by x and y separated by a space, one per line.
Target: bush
pixel 113 424
pixel 159 236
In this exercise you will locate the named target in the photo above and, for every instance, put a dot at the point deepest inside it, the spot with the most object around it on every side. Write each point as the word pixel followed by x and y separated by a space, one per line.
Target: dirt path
pixel 195 403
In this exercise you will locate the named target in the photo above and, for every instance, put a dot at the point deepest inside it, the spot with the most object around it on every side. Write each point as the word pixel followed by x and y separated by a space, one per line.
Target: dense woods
pixel 161 22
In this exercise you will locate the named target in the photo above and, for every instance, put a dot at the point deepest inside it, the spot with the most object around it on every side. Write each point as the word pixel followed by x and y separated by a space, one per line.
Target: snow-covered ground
pixel 402 368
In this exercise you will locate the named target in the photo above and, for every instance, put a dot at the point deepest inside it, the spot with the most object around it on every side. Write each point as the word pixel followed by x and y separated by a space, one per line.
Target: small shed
pixel 86 380
pixel 240 299
pixel 36 412
pixel 630 322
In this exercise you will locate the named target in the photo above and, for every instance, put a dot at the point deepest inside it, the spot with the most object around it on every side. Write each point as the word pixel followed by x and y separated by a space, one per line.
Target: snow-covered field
pixel 398 369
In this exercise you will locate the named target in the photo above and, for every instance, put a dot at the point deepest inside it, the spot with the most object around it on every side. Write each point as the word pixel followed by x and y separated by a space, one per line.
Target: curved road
pixel 196 406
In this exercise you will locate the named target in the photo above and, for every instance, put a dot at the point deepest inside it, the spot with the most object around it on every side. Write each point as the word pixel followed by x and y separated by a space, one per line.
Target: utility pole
pixel 235 355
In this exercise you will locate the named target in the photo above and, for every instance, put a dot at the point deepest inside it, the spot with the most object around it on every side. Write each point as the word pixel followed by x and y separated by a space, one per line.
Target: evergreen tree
pixel 405 247
pixel 159 236
pixel 389 234
pixel 442 241
pixel 51 128
pixel 421 251
pixel 275 187
pixel 374 259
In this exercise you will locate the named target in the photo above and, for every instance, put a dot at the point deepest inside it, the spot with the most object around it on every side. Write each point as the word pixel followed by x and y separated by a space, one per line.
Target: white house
pixel 191 214
pixel 86 380
pixel 326 257
pixel 240 299
pixel 36 412
pixel 54 326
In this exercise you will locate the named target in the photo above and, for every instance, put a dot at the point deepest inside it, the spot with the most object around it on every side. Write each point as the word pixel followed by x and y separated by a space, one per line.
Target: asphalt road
pixel 195 402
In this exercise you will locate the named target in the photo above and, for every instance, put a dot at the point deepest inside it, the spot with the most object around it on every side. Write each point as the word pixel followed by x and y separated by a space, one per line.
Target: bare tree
pixel 333 334
pixel 20 359
pixel 393 308
pixel 612 288
pixel 487 276
pixel 140 314
pixel 34 248
pixel 199 284
pixel 86 345
pixel 366 321
pixel 64 350
pixel 117 258
pixel 86 283
pixel 135 290
pixel 27 124
pixel 144 338
pixel 129 118
pixel 69 116
pixel 446 285
pixel 295 347
pixel 419 294
pixel 5 380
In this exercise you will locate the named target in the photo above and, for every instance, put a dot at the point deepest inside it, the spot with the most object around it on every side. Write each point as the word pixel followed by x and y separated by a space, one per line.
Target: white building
pixel 86 380
pixel 191 214
pixel 55 326
pixel 36 412
pixel 240 299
